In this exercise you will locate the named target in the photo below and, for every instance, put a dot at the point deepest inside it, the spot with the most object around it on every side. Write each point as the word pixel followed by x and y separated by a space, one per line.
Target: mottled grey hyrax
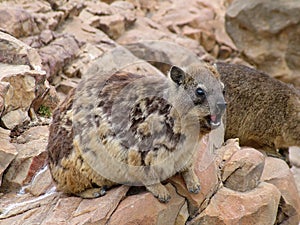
pixel 137 120
pixel 262 112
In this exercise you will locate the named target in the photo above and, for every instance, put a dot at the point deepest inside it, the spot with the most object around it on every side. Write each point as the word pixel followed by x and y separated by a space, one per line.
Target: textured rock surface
pixel 7 151
pixel 267 32
pixel 30 159
pixel 258 206
pixel 277 173
pixel 243 170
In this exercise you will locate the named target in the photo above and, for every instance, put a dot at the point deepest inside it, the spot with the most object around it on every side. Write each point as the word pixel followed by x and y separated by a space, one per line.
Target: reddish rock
pixel 98 211
pixel 7 151
pixel 59 52
pixel 145 209
pixel 277 172
pixel 255 207
pixel 62 212
pixel 41 182
pixel 30 159
pixel 243 170
pixel 207 172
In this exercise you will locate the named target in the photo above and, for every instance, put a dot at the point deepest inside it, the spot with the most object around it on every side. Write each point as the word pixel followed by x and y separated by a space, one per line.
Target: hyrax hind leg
pixel 92 193
pixel 191 179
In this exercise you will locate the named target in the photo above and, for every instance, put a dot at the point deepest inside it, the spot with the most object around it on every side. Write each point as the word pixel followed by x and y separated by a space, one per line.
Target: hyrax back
pixel 262 112
pixel 113 123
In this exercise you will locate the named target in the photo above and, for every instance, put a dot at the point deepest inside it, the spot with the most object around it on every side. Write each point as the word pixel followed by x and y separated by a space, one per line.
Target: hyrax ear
pixel 177 75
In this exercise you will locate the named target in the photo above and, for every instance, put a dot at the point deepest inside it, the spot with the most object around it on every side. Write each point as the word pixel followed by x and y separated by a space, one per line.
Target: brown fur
pixel 107 115
pixel 262 112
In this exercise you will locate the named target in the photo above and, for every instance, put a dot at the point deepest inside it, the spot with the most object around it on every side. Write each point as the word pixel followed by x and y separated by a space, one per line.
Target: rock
pixel 59 52
pixel 207 173
pixel 113 26
pixel 296 173
pixel 269 39
pixel 25 209
pixel 21 91
pixel 133 210
pixel 30 159
pixel 41 183
pixel 14 118
pixel 119 58
pixel 16 21
pixel 258 206
pixel 62 211
pixel 183 215
pixel 7 151
pixel 4 86
pixel 294 156
pixel 162 54
pixel 145 29
pixel 98 211
pixel 18 53
pixel 243 170
pixel 277 172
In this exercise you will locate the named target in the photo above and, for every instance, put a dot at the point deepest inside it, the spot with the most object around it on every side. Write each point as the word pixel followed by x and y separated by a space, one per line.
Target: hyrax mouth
pixel 213 121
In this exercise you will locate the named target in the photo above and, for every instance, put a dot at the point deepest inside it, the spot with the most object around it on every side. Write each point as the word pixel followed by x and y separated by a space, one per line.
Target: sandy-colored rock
pixel 113 25
pixel 162 54
pixel 255 207
pixel 4 86
pixel 7 151
pixel 183 215
pixel 243 170
pixel 14 51
pixel 269 39
pixel 133 210
pixel 31 158
pixel 24 85
pixel 17 21
pixel 59 52
pixel 294 156
pixel 296 173
pixel 277 172
pixel 14 118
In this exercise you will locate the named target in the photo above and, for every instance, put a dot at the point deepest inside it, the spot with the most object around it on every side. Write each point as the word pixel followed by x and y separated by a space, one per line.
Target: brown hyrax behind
pixel 112 122
pixel 262 112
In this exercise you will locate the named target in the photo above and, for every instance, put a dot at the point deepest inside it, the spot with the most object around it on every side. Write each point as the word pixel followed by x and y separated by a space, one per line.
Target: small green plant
pixel 44 111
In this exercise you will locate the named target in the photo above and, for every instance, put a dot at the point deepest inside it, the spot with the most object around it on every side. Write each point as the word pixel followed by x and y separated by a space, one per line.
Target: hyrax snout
pixel 134 129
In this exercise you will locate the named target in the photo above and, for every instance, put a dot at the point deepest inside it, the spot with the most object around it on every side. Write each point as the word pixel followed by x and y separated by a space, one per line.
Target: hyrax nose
pixel 221 106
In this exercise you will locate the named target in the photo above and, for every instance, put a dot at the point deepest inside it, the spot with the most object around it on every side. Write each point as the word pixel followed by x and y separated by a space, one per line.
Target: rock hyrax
pixel 136 120
pixel 262 112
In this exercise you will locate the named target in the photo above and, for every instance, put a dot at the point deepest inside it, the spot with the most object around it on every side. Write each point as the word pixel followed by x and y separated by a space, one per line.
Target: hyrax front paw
pixel 92 193
pixel 160 192
pixel 194 188
pixel 191 181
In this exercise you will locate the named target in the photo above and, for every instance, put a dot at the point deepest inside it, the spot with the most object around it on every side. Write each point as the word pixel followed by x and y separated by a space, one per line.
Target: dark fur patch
pixel 60 143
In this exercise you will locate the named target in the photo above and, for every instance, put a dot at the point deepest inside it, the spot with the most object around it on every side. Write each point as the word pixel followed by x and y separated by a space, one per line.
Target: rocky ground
pixel 47 47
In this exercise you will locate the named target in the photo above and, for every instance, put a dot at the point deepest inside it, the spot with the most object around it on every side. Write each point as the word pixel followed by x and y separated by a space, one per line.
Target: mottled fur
pixel 136 124
pixel 262 112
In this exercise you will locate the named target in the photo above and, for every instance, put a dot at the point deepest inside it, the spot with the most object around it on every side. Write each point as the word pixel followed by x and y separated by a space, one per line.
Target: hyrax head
pixel 200 83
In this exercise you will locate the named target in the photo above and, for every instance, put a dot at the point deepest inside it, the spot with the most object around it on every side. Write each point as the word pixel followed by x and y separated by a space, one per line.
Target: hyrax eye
pixel 200 92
